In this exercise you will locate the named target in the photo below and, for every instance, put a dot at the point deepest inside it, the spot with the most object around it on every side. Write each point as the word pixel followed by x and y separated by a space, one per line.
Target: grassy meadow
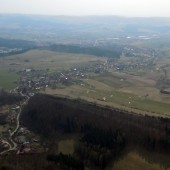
pixel 113 98
pixel 8 80
pixel 43 59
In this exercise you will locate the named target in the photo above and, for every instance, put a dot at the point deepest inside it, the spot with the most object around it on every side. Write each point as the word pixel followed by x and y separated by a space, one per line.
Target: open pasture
pixel 8 79
pixel 43 59
pixel 108 96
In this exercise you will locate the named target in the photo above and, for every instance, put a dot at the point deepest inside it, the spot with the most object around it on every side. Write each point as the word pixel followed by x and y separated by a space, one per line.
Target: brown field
pixel 66 146
pixel 133 161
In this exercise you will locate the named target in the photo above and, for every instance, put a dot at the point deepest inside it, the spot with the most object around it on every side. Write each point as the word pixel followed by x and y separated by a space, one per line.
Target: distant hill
pixel 60 28
pixel 14 43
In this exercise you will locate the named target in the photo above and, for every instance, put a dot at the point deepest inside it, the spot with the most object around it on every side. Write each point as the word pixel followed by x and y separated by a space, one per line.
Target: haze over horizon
pixel 127 8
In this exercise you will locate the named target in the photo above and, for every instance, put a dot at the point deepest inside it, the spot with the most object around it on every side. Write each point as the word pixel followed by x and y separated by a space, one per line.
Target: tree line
pixel 9 98
pixel 23 45
pixel 115 51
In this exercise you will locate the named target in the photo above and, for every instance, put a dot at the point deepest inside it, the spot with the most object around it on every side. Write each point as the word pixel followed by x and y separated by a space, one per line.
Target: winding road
pixel 11 134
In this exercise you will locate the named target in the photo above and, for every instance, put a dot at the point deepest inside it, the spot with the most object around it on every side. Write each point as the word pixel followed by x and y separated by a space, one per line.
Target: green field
pixel 8 80
pixel 113 98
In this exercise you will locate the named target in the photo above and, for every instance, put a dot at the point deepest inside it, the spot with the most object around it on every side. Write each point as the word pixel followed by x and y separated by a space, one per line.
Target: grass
pixel 135 162
pixel 114 81
pixel 66 142
pixel 152 106
pixel 43 59
pixel 7 80
pixel 113 98
pixel 131 101
pixel 66 146
pixel 4 128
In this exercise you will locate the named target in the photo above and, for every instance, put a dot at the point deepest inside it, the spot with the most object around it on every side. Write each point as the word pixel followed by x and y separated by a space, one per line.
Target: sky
pixel 128 8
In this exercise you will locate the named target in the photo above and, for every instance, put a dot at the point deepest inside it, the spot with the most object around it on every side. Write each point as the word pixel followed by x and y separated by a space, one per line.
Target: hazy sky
pixel 88 7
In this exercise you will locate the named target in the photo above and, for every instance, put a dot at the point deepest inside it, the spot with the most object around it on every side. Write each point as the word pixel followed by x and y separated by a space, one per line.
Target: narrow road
pixel 16 129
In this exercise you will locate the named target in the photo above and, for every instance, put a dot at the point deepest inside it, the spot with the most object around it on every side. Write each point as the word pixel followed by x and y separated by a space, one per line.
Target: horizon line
pixel 84 15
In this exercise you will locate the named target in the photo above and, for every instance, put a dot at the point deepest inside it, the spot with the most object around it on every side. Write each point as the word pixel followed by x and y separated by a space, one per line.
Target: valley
pixel 84 93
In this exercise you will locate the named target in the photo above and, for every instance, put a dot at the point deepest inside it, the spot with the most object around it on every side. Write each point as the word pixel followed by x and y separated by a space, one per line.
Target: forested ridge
pixel 47 114
pixel 115 51
pixel 106 132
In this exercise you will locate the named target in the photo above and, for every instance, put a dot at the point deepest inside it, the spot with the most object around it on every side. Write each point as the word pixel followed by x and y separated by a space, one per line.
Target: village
pixel 11 50
pixel 32 80
pixel 19 139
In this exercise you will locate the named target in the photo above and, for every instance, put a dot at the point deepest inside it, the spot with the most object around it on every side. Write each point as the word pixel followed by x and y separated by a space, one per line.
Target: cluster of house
pixel 11 118
pixel 24 149
pixel 25 146
pixel 12 50
pixel 31 79
pixel 139 63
